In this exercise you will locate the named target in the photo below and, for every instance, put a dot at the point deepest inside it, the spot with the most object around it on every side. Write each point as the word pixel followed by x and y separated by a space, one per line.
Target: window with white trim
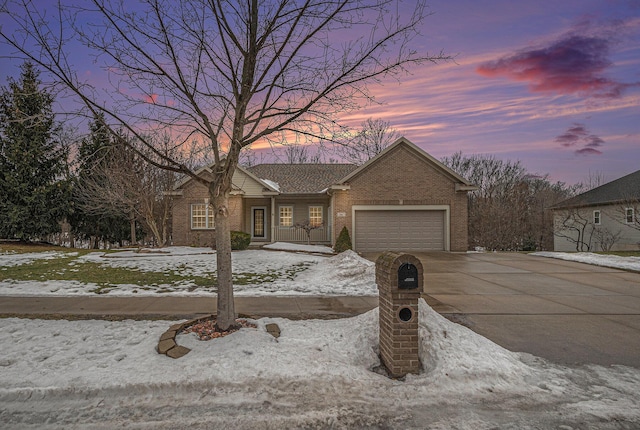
pixel 202 217
pixel 285 216
pixel 629 215
pixel 315 215
pixel 596 217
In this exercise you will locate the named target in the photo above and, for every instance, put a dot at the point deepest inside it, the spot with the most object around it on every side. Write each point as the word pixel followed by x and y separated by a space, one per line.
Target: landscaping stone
pixel 178 351
pixel 273 330
pixel 165 345
pixel 176 327
pixel 169 334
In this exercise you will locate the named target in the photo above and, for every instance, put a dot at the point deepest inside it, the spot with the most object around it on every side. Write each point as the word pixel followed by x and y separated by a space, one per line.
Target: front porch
pixel 278 219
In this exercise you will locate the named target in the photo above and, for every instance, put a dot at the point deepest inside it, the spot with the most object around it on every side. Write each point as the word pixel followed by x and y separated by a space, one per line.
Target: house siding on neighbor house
pixel 613 227
pixel 401 200
pixel 601 219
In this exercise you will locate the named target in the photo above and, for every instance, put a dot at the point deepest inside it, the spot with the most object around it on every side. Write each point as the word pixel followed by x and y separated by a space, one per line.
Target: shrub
pixel 344 241
pixel 240 240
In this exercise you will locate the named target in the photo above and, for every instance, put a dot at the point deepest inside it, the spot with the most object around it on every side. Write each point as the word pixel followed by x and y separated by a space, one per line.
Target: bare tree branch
pixel 228 74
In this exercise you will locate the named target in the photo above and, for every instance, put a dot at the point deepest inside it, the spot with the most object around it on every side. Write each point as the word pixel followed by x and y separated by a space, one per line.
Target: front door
pixel 258 221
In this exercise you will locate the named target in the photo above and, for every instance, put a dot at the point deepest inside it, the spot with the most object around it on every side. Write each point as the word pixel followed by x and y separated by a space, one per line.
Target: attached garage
pixel 400 229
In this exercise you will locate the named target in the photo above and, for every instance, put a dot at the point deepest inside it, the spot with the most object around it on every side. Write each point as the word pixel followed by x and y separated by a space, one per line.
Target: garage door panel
pixel 399 230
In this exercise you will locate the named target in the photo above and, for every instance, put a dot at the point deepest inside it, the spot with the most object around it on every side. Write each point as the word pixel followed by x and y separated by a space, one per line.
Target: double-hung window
pixel 285 218
pixel 202 217
pixel 315 216
pixel 629 215
pixel 596 217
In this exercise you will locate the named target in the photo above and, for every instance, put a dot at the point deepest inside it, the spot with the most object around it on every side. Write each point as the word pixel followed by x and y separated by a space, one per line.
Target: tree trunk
pixel 132 221
pixel 226 314
pixel 155 232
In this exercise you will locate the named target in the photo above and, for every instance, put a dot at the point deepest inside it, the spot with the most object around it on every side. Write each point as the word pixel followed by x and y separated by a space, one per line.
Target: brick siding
pixel 196 193
pixel 399 178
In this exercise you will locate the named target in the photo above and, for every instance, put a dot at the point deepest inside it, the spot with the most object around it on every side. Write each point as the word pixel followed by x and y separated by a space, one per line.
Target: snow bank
pixel 453 354
pixel 614 261
pixel 344 274
pixel 101 374
pixel 104 354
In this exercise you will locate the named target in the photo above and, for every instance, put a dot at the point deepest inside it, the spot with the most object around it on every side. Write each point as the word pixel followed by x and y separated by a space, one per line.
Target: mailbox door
pixel 407 277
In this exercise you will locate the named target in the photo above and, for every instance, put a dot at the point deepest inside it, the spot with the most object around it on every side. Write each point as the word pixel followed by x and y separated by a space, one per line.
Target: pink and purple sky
pixel 554 84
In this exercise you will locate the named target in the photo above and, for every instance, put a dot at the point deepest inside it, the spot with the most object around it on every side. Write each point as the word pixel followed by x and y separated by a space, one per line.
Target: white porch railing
pixel 298 235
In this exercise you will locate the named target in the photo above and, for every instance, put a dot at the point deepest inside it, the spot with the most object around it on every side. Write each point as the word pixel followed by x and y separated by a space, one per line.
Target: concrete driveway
pixel 570 313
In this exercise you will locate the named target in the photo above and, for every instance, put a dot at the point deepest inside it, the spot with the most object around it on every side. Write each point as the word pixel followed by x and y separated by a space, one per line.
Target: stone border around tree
pixel 167 344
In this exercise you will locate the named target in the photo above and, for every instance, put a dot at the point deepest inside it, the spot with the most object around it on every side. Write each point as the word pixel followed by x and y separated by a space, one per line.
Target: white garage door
pixel 399 230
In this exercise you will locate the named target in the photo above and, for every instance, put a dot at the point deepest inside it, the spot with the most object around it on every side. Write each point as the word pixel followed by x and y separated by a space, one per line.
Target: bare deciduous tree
pixel 509 210
pixel 229 73
pixel 374 136
pixel 574 225
pixel 606 238
pixel 307 227
pixel 300 154
pixel 126 185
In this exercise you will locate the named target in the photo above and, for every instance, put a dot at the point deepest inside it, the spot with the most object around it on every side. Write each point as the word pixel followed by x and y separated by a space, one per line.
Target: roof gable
pixel 411 146
pixel 620 190
pixel 239 182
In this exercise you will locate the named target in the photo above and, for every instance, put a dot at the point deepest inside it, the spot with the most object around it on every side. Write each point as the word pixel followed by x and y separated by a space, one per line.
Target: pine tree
pixel 34 186
pixel 88 221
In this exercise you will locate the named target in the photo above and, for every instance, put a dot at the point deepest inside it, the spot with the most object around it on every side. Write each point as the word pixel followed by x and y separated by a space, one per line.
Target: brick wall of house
pixel 399 178
pixel 182 233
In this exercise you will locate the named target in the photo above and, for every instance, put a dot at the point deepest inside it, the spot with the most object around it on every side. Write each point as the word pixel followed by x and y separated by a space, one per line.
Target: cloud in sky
pixel 588 151
pixel 578 134
pixel 573 64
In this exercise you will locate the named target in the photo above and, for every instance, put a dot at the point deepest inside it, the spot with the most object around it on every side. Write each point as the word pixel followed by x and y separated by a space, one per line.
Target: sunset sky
pixel 555 84
pixel 552 83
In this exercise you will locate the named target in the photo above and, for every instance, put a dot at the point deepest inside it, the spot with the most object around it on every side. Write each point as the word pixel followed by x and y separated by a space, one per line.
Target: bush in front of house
pixel 240 240
pixel 344 241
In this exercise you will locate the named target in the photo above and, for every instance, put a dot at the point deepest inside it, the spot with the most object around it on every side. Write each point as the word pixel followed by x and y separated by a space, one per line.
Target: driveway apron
pixel 567 312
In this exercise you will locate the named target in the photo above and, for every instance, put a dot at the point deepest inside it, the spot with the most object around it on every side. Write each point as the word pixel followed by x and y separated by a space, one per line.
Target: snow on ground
pixel 614 261
pixel 263 272
pixel 259 272
pixel 14 259
pixel 285 246
pixel 318 374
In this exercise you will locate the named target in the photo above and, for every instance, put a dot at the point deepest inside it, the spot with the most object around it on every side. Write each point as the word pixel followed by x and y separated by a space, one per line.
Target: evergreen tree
pixel 344 241
pixel 34 186
pixel 96 222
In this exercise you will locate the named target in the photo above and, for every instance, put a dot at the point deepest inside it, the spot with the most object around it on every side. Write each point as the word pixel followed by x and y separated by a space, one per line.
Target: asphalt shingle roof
pixel 302 178
pixel 623 189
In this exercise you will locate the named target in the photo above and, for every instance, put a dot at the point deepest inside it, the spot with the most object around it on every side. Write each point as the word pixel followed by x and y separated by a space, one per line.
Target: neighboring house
pixel 602 219
pixel 403 199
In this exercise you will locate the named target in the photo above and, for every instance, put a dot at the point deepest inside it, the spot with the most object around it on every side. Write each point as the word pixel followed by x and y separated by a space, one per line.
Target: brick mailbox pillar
pixel 399 278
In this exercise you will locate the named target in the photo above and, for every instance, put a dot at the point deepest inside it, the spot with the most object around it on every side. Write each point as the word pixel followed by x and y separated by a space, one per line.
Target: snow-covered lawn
pixel 259 272
pixel 318 374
